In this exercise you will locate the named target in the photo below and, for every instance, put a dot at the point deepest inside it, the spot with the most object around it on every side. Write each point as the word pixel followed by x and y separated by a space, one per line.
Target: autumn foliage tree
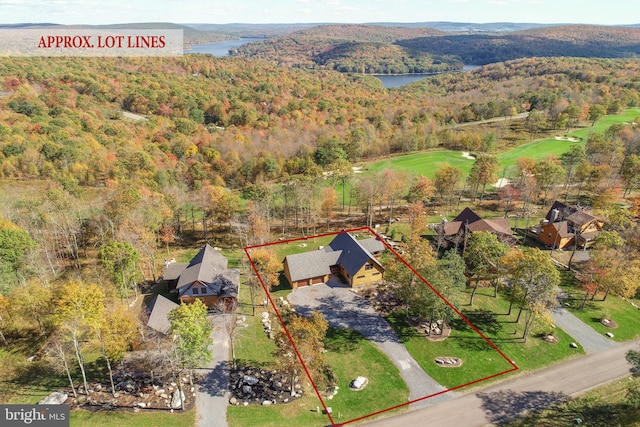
pixel 267 265
pixel 308 335
pixel 191 329
pixel 79 311
pixel 533 279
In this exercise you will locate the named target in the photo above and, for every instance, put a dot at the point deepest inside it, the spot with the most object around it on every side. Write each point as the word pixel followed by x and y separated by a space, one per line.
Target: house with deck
pixel 207 278
pixel 468 221
pixel 354 260
pixel 565 227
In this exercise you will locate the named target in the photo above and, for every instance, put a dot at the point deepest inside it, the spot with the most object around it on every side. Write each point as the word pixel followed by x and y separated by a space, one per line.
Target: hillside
pixel 370 49
pixel 385 49
pixel 234 121
pixel 587 41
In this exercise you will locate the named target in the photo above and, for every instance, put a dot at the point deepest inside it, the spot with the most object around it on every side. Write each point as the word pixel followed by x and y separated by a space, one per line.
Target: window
pixel 549 235
pixel 203 291
pixel 368 267
pixel 377 273
pixel 194 291
pixel 360 277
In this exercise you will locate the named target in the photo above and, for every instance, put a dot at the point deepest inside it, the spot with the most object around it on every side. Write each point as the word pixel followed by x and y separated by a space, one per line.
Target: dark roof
pixel 590 235
pixel 580 218
pixel 159 309
pixel 223 285
pixel 344 249
pixel 173 271
pixel 311 264
pixel 563 211
pixel 353 255
pixel 449 228
pixel 467 216
pixel 372 244
pixel 499 225
pixel 204 267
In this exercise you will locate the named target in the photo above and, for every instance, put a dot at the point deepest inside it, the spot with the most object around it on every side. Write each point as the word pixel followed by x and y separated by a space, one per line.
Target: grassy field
pixel 615 308
pixel 602 407
pixel 346 350
pixel 428 162
pixel 480 360
pixel 83 418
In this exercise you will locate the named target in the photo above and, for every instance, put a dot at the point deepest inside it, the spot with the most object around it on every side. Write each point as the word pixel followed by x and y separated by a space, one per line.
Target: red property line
pixel 247 251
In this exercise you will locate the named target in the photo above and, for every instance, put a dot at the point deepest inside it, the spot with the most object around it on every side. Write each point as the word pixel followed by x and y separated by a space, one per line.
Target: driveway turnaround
pixel 516 396
pixel 344 309
pixel 584 334
pixel 212 393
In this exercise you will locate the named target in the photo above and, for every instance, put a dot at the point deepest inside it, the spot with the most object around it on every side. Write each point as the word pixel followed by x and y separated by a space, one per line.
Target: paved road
pixel 212 394
pixel 529 392
pixel 344 309
pixel 591 340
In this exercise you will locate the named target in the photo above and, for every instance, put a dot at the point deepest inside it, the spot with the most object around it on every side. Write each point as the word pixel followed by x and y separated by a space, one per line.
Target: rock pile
pixel 253 386
pixel 448 362
pixel 135 392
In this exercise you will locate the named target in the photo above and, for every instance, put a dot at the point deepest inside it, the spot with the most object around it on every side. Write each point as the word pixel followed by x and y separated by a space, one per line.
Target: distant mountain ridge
pixel 407 49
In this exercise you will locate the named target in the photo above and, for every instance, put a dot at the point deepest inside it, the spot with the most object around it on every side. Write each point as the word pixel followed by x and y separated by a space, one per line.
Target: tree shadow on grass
pixel 399 323
pixel 35 377
pixel 506 405
pixel 486 321
pixel 342 340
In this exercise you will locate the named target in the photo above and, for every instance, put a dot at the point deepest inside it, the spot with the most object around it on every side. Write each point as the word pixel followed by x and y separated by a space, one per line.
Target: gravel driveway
pixel 212 393
pixel 344 309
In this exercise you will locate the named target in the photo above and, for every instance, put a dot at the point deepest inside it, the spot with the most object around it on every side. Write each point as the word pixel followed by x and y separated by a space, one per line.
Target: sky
pixel 609 12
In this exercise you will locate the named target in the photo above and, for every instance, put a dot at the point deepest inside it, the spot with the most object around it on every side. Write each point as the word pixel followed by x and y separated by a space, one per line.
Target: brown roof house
pixel 566 226
pixel 159 310
pixel 469 221
pixel 352 259
pixel 207 278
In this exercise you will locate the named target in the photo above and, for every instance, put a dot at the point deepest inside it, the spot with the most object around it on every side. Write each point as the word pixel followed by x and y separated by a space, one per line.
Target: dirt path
pixel 514 397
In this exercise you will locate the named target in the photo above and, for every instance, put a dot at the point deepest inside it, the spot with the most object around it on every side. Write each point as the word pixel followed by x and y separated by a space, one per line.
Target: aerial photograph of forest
pixel 320 213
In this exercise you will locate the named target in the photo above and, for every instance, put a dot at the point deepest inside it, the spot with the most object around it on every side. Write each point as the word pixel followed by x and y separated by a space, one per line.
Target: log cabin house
pixel 354 260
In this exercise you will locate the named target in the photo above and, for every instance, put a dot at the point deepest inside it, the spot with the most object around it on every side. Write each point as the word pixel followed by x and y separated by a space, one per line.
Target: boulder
pixel 56 398
pixel 251 380
pixel 141 405
pixel 573 345
pixel 358 383
pixel 609 334
pixel 233 401
pixel 246 389
pixel 176 399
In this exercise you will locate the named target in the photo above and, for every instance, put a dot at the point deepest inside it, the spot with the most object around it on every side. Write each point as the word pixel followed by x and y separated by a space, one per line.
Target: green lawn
pixel 350 355
pixel 621 311
pixel 480 360
pixel 428 162
pixel 83 418
pixel 603 407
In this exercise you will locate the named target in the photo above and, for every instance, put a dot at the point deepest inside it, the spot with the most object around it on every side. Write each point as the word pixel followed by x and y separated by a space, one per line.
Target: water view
pixel 398 80
pixel 389 81
pixel 221 48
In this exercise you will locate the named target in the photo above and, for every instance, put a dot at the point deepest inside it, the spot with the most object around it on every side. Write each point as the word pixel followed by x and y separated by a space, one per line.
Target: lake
pixel 398 80
pixel 221 48
pixel 390 81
